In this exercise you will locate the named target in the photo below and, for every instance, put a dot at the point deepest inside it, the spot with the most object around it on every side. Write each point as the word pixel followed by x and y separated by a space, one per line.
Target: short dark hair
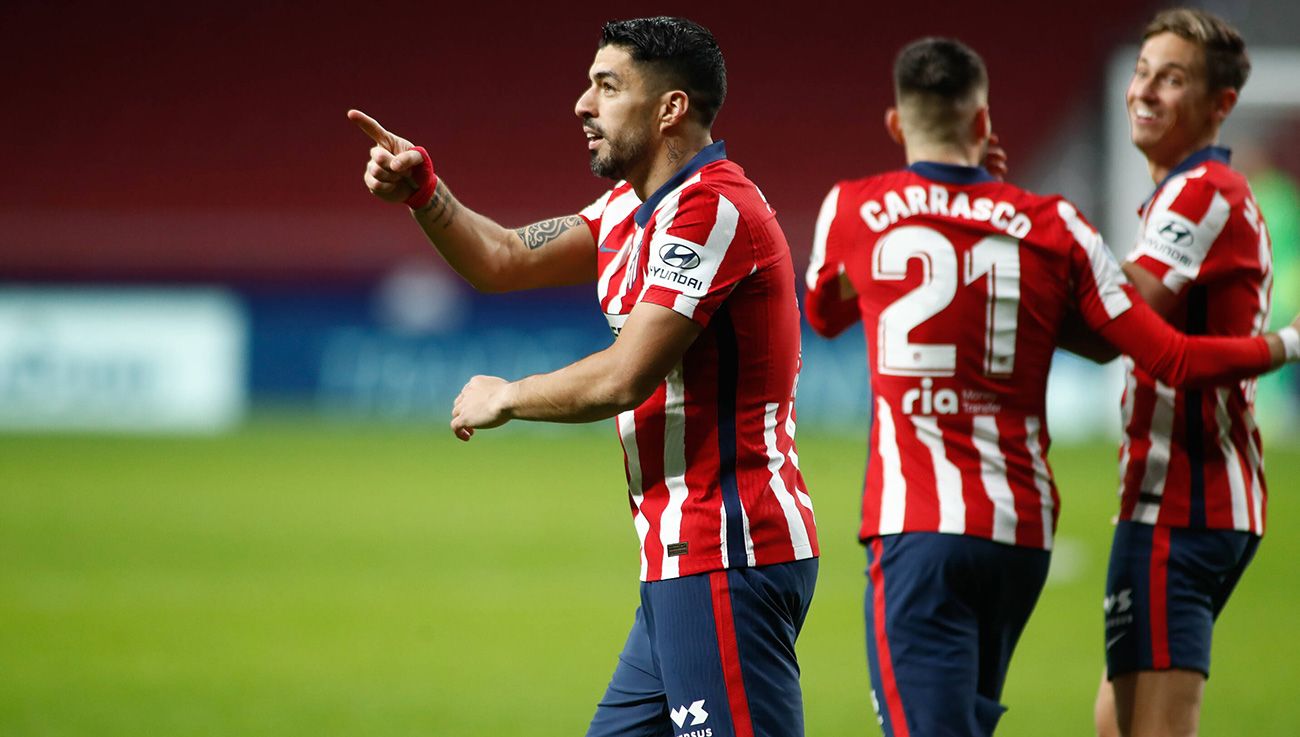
pixel 937 78
pixel 681 52
pixel 1226 62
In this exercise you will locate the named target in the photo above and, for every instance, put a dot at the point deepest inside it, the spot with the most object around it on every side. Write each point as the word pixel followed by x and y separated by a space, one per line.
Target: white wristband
pixel 1290 343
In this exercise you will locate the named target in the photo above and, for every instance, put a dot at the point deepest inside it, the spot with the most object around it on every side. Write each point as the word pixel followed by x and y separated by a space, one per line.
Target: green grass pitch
pixel 311 578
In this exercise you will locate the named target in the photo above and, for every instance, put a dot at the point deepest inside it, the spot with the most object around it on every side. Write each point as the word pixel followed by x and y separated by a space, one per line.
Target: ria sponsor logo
pixel 679 256
pixel 698 716
pixel 942 402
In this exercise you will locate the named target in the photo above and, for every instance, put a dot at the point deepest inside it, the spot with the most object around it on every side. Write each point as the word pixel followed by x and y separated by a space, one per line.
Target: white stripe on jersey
pixel 749 539
pixel 947 479
pixel 722 534
pixel 616 212
pixel 1157 470
pixel 993 472
pixel 1231 462
pixel 670 521
pixel 800 494
pixel 1125 420
pixel 627 434
pixel 775 460
pixel 1105 271
pixel 893 491
pixel 1256 471
pixel 633 259
pixel 1042 476
pixel 820 232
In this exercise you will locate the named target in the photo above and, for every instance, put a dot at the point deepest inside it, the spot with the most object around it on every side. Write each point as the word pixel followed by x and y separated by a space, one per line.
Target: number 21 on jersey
pixel 996 257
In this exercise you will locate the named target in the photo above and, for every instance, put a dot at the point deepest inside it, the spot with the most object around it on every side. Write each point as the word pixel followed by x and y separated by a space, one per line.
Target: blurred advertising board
pixel 121 359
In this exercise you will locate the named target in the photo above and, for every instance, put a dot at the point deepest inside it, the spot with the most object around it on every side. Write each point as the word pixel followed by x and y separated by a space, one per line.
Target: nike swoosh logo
pixel 1114 640
pixel 602 249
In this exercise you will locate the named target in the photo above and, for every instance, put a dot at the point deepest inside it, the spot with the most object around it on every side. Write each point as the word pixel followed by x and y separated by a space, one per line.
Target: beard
pixel 622 153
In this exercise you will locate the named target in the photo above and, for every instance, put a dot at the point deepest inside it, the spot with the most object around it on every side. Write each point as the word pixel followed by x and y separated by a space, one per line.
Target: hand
pixel 392 159
pixel 995 158
pixel 480 404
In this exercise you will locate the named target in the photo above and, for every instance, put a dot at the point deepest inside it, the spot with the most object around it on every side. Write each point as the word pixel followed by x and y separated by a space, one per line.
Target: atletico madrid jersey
pixel 1192 458
pixel 962 284
pixel 713 475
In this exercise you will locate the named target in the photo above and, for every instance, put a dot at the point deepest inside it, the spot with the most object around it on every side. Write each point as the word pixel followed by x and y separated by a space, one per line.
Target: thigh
pixel 634 704
pixel 941 625
pixel 725 644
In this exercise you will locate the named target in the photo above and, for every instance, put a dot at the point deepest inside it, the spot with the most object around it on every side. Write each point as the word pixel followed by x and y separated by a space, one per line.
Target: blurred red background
pixel 207 141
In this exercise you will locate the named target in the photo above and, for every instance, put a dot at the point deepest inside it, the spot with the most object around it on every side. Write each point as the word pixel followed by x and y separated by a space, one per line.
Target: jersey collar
pixel 707 155
pixel 1221 154
pixel 951 173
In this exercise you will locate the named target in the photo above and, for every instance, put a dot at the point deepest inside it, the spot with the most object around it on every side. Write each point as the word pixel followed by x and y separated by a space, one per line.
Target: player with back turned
pixel 1192 504
pixel 963 283
pixel 692 273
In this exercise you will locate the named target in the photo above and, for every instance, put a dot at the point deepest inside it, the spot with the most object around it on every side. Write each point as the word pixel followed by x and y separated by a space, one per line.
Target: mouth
pixel 1142 116
pixel 593 138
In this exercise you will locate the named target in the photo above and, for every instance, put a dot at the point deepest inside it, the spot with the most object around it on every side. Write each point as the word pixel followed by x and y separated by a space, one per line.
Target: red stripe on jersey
pixel 729 649
pixel 1158 597
pixel 885 661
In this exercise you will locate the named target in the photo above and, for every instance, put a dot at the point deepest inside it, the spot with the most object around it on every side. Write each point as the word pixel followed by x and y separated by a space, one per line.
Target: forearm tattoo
pixel 539 234
pixel 442 209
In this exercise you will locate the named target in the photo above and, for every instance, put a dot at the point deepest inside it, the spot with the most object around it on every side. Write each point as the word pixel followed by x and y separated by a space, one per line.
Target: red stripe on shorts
pixel 729 650
pixel 1158 599
pixel 893 700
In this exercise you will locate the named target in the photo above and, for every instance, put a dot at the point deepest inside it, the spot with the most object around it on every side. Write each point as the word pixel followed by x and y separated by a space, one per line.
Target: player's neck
pixel 944 153
pixel 670 156
pixel 1161 164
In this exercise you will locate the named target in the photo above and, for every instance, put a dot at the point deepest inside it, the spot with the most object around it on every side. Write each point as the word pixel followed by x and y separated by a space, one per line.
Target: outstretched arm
pixel 1182 360
pixel 614 380
pixel 556 252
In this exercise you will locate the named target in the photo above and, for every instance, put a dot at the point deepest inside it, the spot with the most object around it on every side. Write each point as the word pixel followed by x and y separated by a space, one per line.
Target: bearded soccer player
pixel 693 273
pixel 1192 492
pixel 963 283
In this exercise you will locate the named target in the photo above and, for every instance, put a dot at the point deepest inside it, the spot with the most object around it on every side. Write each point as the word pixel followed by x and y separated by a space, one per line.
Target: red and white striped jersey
pixel 713 474
pixel 1192 457
pixel 962 284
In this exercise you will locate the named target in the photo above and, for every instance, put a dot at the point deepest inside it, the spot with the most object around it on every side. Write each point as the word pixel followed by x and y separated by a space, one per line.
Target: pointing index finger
pixel 372 128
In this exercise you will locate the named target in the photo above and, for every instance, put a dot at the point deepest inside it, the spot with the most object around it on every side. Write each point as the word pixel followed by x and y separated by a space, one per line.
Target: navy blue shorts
pixel 943 615
pixel 712 655
pixel 1164 589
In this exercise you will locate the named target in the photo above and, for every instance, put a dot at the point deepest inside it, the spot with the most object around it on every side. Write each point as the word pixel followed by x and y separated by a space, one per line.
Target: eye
pixel 607 88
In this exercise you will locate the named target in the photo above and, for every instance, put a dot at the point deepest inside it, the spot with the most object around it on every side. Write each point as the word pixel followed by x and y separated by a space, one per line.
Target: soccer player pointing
pixel 963 283
pixel 692 272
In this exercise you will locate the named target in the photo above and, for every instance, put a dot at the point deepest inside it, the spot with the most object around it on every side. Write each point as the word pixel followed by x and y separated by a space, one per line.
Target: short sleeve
pixel 1183 223
pixel 698 251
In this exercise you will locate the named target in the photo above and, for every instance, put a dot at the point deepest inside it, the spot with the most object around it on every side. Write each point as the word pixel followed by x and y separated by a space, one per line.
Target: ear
pixel 673 107
pixel 894 126
pixel 1222 103
pixel 981 126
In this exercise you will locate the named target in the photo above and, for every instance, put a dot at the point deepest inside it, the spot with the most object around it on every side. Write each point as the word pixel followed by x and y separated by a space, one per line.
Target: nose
pixel 585 108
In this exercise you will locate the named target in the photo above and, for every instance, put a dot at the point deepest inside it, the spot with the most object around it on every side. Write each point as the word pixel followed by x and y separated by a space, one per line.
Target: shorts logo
pixel 1118 602
pixel 695 710
pixel 1176 233
pixel 679 256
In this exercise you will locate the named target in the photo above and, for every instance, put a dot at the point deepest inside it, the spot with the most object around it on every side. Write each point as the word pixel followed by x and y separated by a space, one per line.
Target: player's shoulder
pixel 1195 188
